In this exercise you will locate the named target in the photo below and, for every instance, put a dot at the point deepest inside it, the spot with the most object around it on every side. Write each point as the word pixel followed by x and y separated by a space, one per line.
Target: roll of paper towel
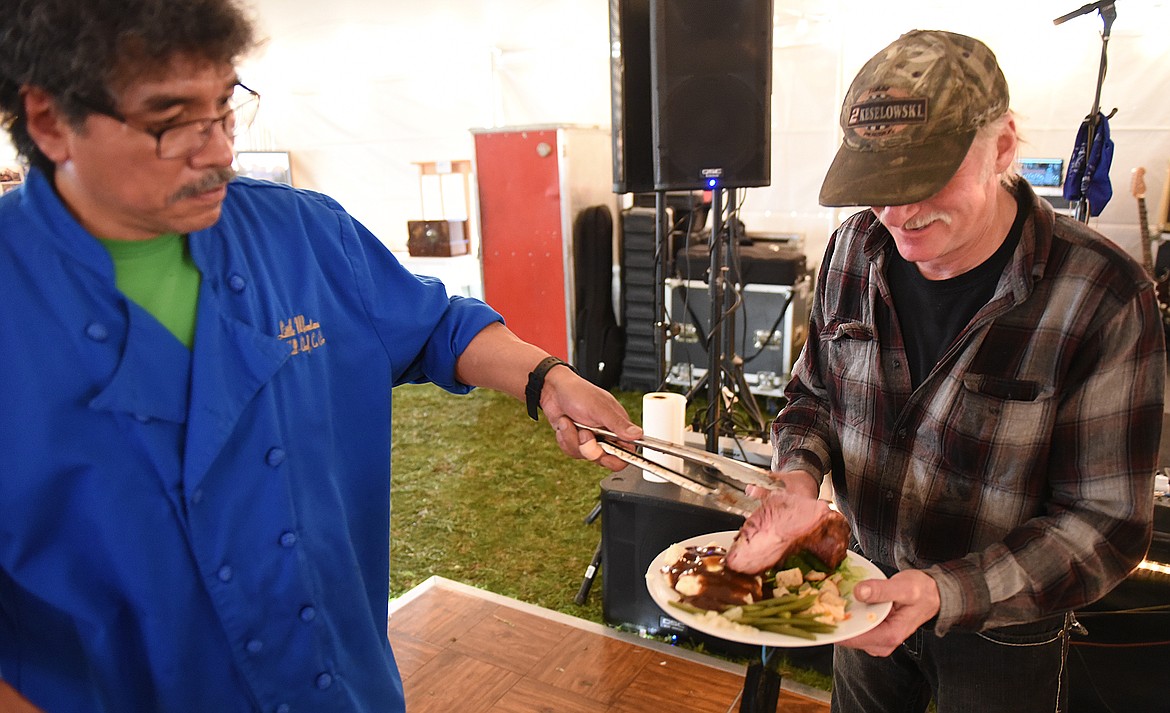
pixel 664 415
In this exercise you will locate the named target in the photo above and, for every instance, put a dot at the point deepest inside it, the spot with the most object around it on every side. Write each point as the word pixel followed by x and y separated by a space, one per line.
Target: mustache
pixel 213 179
pixel 921 221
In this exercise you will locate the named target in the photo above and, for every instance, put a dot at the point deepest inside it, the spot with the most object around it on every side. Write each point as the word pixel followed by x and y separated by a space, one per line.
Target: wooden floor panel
pixel 679 685
pixel 466 650
pixel 512 639
pixel 411 653
pixel 455 682
pixel 592 666
pixel 529 696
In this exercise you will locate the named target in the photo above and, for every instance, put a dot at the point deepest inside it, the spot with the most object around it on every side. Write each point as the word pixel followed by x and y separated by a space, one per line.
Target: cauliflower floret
pixel 832 599
pixel 829 607
pixel 790 578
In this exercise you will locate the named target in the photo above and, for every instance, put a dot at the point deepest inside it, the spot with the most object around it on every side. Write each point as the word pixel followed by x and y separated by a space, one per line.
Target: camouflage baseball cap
pixel 910 116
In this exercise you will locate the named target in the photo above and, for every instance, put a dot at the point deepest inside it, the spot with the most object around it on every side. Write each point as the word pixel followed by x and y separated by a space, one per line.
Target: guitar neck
pixel 1147 252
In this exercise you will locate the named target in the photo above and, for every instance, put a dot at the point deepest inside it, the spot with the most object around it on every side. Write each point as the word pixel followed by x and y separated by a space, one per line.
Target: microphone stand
pixel 1108 12
pixel 1083 10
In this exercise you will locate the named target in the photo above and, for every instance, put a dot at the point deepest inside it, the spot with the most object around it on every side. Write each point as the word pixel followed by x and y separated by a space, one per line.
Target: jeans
pixel 1015 669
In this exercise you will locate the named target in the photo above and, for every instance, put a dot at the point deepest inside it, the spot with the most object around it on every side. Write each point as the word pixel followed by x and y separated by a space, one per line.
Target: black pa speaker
pixel 711 93
pixel 640 519
pixel 629 41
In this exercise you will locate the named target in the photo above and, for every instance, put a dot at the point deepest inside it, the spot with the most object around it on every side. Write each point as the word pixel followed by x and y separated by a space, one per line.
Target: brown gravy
pixel 719 586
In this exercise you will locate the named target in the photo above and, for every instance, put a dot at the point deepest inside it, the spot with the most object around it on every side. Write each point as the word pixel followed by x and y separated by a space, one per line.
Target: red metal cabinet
pixel 532 182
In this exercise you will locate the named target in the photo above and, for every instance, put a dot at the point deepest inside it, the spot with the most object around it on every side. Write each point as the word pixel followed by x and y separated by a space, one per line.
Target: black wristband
pixel 535 386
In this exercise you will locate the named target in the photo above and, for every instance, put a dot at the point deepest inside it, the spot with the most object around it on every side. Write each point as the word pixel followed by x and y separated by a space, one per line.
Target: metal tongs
pixel 719 480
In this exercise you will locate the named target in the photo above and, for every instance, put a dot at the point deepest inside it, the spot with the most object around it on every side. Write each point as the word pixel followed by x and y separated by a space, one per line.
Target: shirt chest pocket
pixel 998 427
pixel 850 357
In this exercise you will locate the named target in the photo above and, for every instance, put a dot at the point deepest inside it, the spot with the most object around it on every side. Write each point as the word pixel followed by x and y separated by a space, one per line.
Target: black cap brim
pixel 894 176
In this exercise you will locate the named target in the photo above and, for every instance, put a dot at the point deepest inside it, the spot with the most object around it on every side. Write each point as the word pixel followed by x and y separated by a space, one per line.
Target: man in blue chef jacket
pixel 195 490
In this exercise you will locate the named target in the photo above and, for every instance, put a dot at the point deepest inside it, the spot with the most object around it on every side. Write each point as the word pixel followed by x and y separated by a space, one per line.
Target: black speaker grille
pixel 711 76
pixel 700 111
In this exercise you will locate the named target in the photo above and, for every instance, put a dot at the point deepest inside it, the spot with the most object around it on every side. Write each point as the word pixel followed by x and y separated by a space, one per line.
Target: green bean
pixel 689 608
pixel 779 619
pixel 790 631
pixel 804 622
pixel 763 614
pixel 774 601
pixel 756 621
pixel 815 563
pixel 773 608
pixel 792 604
pixel 797 561
pixel 809 625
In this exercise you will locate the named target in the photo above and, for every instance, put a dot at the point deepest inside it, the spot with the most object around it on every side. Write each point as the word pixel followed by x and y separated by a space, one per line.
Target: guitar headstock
pixel 1137 184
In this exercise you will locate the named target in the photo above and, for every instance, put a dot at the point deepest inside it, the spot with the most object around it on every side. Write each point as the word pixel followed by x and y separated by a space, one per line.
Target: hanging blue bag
pixel 1099 190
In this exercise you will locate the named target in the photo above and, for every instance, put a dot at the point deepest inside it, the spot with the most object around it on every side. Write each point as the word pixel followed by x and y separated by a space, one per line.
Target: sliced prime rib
pixel 784 525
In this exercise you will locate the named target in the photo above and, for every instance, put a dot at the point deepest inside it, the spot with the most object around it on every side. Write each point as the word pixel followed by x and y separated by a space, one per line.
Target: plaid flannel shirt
pixel 1019 474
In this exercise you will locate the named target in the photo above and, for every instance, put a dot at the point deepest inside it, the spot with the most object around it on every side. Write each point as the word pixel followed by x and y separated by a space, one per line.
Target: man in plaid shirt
pixel 983 382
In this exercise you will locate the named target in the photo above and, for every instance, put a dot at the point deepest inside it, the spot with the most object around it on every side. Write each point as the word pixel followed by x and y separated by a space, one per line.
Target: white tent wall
pixel 360 90
pixel 357 91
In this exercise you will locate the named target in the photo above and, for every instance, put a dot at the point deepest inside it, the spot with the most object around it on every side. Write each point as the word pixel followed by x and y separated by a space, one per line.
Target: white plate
pixel 862 617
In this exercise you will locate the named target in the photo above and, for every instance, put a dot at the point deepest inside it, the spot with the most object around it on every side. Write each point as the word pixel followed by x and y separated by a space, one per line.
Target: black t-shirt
pixel 931 313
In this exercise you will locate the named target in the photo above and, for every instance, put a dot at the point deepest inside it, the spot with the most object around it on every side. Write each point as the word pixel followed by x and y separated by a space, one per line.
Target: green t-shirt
pixel 160 276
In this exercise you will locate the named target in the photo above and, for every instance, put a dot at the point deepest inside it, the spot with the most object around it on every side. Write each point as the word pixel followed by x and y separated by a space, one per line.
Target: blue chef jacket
pixel 207 530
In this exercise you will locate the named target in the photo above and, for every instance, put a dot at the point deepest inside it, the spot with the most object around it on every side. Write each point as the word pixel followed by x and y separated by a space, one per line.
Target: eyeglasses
pixel 188 138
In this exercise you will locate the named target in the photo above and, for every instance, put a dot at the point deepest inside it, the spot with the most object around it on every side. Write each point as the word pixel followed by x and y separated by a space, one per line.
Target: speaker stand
pixel 721 357
pixel 715 279
pixel 661 235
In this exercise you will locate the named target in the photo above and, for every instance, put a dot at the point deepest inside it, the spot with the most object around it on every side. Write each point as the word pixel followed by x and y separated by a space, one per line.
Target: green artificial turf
pixel 482 495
